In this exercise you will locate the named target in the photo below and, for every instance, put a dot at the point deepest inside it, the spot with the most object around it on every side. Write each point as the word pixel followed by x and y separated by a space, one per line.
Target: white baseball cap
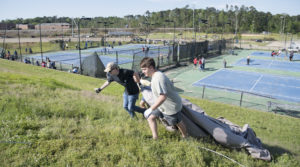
pixel 110 66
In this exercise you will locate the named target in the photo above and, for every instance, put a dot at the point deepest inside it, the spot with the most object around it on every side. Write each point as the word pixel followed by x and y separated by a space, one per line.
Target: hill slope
pixel 53 118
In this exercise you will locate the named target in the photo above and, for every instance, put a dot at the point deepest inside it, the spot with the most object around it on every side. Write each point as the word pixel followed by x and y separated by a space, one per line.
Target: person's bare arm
pixel 98 90
pixel 136 77
pixel 105 85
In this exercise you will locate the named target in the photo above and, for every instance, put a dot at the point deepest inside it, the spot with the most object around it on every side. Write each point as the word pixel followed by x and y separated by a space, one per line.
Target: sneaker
pixel 171 128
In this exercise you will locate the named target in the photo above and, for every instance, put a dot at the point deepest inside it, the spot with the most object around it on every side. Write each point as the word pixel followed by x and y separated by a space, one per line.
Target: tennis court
pixel 125 54
pixel 268 54
pixel 279 87
pixel 73 58
pixel 270 64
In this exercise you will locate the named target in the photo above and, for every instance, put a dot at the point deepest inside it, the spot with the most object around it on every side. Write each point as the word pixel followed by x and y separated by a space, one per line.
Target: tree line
pixel 210 20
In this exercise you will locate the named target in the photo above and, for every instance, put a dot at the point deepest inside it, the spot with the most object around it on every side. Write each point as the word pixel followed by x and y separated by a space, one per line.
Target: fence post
pixel 133 57
pixel 178 53
pixel 269 104
pixel 32 61
pixel 158 62
pixel 160 56
pixel 117 57
pixel 241 99
pixel 203 90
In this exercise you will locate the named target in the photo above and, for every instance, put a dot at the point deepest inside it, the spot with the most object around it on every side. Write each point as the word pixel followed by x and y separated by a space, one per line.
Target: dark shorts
pixel 171 119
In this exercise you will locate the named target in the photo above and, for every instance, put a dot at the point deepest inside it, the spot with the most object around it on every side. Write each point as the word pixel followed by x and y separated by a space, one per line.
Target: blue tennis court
pixel 105 60
pixel 105 54
pixel 73 58
pixel 268 54
pixel 270 64
pixel 279 87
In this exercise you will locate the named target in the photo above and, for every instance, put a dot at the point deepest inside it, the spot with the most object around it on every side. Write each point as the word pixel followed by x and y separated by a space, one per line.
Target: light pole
pixel 148 29
pixel 79 48
pixel 204 21
pixel 180 35
pixel 281 17
pixel 41 45
pixel 224 28
pixel 105 24
pixel 236 24
pixel 172 21
pixel 211 23
pixel 62 35
pixel 282 25
pixel 19 42
pixel 194 23
pixel 164 32
pixel 3 49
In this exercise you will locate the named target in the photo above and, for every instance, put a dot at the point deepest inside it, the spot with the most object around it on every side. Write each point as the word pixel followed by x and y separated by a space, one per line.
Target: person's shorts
pixel 171 119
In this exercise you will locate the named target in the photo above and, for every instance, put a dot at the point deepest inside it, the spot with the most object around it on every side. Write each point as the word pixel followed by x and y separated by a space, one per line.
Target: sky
pixel 12 9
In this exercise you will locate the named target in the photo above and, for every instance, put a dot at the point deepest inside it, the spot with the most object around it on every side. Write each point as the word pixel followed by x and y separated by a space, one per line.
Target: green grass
pixel 53 118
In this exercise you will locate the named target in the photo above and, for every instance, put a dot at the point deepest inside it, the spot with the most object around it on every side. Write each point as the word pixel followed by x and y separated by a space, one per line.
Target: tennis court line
pixel 208 75
pixel 271 83
pixel 253 88
pixel 256 83
pixel 269 66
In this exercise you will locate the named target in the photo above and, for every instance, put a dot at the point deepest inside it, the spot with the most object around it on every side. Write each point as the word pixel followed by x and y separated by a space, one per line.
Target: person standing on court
pixel 203 63
pixel 248 60
pixel 195 61
pixel 224 63
pixel 200 64
pixel 167 102
pixel 129 80
pixel 291 55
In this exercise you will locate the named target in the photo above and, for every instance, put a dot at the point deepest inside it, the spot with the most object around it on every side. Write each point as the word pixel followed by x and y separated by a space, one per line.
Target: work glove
pixel 147 113
pixel 97 90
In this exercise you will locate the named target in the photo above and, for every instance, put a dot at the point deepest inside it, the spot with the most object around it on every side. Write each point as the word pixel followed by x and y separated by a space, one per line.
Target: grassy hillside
pixel 53 118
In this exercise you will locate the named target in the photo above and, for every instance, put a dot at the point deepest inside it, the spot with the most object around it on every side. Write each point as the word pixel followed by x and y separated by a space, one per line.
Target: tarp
pixel 93 66
pixel 1 52
pixel 198 125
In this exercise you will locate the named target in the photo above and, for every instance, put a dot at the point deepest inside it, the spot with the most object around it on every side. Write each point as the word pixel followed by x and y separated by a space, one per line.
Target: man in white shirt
pixel 167 103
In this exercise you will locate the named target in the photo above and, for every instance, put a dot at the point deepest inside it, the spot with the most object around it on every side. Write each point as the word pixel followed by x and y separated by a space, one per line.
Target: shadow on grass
pixel 226 100
pixel 252 105
pixel 292 113
pixel 245 104
pixel 277 151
